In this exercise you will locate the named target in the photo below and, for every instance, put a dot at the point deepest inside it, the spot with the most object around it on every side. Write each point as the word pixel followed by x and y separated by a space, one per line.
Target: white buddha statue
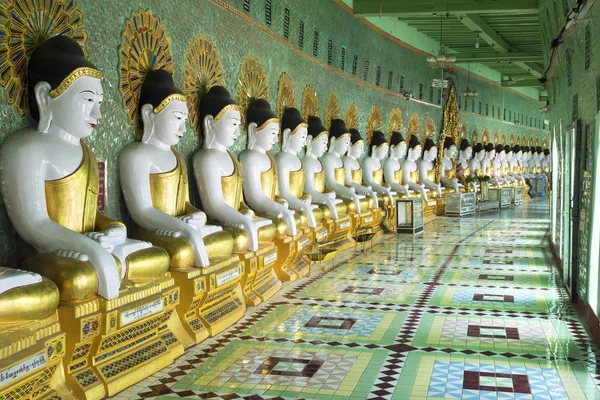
pixel 335 173
pixel 373 166
pixel 392 166
pixel 219 176
pixel 353 168
pixel 506 165
pixel 448 171
pixel 50 183
pixel 476 162
pixel 463 167
pixel 486 163
pixel 290 170
pixel 496 175
pixel 517 164
pixel 410 171
pixel 426 167
pixel 539 155
pixel 546 163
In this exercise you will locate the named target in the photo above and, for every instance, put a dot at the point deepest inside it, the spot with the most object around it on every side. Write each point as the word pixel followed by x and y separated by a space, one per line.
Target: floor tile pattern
pixel 471 309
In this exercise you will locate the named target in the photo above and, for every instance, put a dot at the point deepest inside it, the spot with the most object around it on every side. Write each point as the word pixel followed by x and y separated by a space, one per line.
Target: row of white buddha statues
pixel 131 300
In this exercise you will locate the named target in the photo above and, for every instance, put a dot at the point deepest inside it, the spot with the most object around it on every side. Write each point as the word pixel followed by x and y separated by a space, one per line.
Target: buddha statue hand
pixel 208 230
pixel 283 202
pixel 274 214
pixel 109 238
pixel 76 255
pixel 200 255
pixel 195 219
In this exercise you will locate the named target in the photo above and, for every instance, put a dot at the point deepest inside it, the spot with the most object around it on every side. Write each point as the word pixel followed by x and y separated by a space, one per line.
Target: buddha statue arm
pixel 23 189
pixel 135 183
pixel 369 167
pixel 254 195
pixel 388 176
pixel 318 197
pixel 304 204
pixel 424 168
pixel 340 190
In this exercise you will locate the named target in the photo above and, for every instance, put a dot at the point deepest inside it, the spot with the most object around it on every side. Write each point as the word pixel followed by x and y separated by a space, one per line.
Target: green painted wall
pixel 570 77
pixel 237 37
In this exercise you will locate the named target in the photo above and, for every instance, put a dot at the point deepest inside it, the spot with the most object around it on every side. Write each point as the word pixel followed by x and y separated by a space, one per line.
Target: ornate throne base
pixel 290 264
pixel 113 344
pixel 259 281
pixel 31 361
pixel 211 298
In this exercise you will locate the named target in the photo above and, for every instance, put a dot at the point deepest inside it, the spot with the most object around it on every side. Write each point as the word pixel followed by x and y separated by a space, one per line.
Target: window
pixel 509 116
pixel 493 114
pixel 343 66
pixel 498 112
pixel 530 121
pixel 247 5
pixel 286 23
pixel 439 98
pixel 420 91
pixel 401 83
pixel 473 107
pixel 390 78
pixel 504 114
pixel 466 104
pixel 588 44
pixel 329 51
pixel 459 103
pixel 521 119
pixel 431 95
pixel 479 108
pixel 354 64
pixel 569 68
pixel 366 73
pixel 316 44
pixel 268 12
pixel 378 76
pixel 301 35
pixel 487 111
pixel 575 110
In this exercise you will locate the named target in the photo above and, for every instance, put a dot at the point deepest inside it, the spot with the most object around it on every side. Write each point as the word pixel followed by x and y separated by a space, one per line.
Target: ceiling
pixel 508 31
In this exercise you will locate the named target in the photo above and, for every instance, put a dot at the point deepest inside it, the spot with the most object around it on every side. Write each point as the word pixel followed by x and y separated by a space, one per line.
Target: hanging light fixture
pixel 510 80
pixel 477 42
pixel 441 60
pixel 469 94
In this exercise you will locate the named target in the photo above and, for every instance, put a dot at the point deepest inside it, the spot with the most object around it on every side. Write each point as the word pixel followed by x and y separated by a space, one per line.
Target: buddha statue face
pixel 490 155
pixel 76 111
pixel 224 132
pixel 296 142
pixel 318 146
pixel 414 154
pixel 509 156
pixel 381 152
pixel 265 138
pixel 357 150
pixel 519 155
pixel 481 155
pixel 399 151
pixel 466 154
pixel 168 126
pixel 340 145
pixel 431 154
pixel 451 152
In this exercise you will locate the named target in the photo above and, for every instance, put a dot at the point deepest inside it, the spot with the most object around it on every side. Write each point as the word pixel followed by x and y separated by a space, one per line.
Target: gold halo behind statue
pixel 545 143
pixel 251 85
pixel 145 46
pixel 413 127
pixel 310 103
pixel 351 116
pixel 512 139
pixel 485 136
pixel 201 71
pixel 496 139
pixel 503 138
pixel 428 130
pixel 24 25
pixel 374 123
pixel 461 133
pixel 394 123
pixel 332 109
pixel 474 136
pixel 285 98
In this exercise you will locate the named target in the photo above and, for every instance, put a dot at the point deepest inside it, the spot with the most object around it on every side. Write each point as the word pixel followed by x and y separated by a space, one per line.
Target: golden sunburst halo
pixel 202 70
pixel 545 143
pixel 251 85
pixel 351 116
pixel 474 136
pixel 310 103
pixel 332 109
pixel 496 139
pixel 462 132
pixel 413 126
pixel 394 122
pixel 285 94
pixel 145 47
pixel 24 26
pixel 375 122
pixel 428 130
pixel 503 138
pixel 511 139
pixel 485 136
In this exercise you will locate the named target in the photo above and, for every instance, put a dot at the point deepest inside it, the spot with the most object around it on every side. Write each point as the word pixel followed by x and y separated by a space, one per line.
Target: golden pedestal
pixel 211 298
pixel 31 360
pixel 289 265
pixel 340 231
pixel 259 281
pixel 113 344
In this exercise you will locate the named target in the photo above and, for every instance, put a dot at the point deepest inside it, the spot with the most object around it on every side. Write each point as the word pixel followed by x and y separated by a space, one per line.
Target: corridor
pixel 471 309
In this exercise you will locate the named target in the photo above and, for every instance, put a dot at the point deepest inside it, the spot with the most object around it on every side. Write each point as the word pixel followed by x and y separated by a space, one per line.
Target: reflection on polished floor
pixel 471 309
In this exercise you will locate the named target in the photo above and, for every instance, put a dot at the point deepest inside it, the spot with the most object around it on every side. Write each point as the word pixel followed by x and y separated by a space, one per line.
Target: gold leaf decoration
pixel 310 103
pixel 545 143
pixel 145 47
pixel 332 109
pixel 531 140
pixel 485 136
pixel 202 70
pixel 375 122
pixel 537 141
pixel 449 125
pixel 251 85
pixel 496 139
pixel 428 130
pixel 461 132
pixel 413 127
pixel 351 116
pixel 474 136
pixel 285 94
pixel 394 122
pixel 503 138
pixel 24 26
pixel 512 139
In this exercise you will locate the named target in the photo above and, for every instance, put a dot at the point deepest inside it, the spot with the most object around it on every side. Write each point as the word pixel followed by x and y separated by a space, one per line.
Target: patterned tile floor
pixel 473 308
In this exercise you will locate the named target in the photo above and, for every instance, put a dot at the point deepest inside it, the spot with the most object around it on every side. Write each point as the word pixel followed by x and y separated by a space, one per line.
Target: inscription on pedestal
pixel 227 276
pixel 270 258
pixel 345 225
pixel 21 369
pixel 140 312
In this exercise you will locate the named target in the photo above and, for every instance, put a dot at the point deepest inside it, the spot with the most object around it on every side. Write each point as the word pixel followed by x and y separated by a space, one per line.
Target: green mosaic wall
pixel 575 76
pixel 238 34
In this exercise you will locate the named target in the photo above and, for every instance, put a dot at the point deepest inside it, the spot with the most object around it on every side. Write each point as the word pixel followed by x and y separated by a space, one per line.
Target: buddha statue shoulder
pixel 218 173
pixel 154 177
pixel 392 166
pixel 448 170
pixel 496 165
pixel 50 183
pixel 314 173
pixel 486 163
pixel 373 166
pixel 290 170
pixel 410 171
pixel 426 167
pixel 335 173
pixel 259 171
pixel 353 168
pixel 475 163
